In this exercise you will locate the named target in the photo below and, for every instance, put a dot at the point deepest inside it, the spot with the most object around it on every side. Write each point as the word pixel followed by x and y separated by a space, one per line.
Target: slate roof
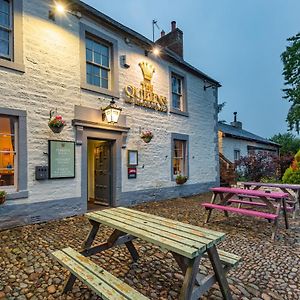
pixel 238 133
pixel 142 39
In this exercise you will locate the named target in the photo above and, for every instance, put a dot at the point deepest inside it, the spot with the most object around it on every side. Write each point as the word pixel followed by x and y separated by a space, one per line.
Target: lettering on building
pixel 145 95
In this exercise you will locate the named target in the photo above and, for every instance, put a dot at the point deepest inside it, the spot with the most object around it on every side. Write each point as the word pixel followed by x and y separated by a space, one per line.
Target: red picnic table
pixel 292 189
pixel 273 201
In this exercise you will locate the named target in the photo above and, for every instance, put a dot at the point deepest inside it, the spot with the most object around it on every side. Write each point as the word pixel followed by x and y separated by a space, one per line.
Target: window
pixel 8 150
pixel 237 154
pixel 177 96
pixel 179 155
pixel 6 29
pixel 11 38
pixel 97 63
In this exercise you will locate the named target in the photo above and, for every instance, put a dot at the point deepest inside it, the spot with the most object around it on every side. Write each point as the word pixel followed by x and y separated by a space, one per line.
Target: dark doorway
pixel 99 173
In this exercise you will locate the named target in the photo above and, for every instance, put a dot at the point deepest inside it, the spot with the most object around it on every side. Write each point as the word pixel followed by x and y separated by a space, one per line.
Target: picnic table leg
pixel 208 211
pixel 275 226
pixel 285 214
pixel 133 252
pixel 190 278
pixel 86 244
pixel 219 272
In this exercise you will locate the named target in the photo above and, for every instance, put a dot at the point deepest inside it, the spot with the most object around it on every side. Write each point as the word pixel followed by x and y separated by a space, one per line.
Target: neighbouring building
pixel 235 142
pixel 72 64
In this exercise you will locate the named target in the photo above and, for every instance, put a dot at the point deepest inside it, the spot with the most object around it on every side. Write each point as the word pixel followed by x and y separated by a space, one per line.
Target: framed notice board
pixel 61 159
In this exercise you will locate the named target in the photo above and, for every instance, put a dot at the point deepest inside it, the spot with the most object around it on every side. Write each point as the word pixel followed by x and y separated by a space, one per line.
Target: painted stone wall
pixel 231 144
pixel 52 80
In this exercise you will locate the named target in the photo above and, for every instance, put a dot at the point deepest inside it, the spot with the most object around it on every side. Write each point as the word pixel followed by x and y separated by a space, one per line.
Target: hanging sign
pixel 145 95
pixel 61 159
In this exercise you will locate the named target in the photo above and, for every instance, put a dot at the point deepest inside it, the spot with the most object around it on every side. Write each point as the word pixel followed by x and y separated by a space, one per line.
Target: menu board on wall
pixel 61 159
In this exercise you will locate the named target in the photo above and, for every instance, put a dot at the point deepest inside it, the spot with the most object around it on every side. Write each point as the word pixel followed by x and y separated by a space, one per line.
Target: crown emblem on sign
pixel 148 71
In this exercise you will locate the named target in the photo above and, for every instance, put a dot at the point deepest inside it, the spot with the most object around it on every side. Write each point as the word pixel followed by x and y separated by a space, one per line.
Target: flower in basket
pixel 181 179
pixel 146 136
pixel 2 197
pixel 56 123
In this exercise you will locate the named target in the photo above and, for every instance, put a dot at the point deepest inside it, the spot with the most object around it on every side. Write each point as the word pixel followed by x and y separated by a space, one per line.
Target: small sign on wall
pixel 132 173
pixel 61 159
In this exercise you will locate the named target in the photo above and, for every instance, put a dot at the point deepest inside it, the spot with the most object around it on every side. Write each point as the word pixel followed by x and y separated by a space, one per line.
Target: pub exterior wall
pixel 52 80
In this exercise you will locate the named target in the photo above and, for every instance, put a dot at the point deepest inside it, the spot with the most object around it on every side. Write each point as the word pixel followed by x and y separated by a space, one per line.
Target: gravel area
pixel 268 270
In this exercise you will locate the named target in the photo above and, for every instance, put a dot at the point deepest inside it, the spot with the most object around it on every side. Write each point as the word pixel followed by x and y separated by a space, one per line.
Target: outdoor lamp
pixel 61 9
pixel 112 112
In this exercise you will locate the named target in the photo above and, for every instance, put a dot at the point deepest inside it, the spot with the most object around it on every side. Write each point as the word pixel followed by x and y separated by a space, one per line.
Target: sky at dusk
pixel 236 42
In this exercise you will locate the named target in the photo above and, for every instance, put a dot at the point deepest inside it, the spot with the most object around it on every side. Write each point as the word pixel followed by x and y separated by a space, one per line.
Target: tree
pixel 220 108
pixel 291 72
pixel 290 144
pixel 292 174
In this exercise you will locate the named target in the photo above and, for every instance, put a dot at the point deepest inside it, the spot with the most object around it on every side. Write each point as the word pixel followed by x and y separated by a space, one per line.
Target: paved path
pixel 269 271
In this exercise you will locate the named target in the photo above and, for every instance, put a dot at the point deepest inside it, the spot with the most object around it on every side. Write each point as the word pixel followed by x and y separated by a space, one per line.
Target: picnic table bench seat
pixel 228 259
pixel 242 211
pixel 96 278
pixel 240 202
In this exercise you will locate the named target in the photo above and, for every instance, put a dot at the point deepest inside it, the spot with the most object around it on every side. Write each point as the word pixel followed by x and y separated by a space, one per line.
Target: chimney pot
pixel 173 25
pixel 163 33
pixel 235 119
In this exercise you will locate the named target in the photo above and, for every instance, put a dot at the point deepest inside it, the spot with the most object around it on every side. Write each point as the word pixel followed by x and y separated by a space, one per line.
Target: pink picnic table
pixel 292 189
pixel 273 201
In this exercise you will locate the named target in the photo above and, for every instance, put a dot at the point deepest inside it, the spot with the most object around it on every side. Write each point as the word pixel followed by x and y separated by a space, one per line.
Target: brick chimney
pixel 173 40
pixel 236 123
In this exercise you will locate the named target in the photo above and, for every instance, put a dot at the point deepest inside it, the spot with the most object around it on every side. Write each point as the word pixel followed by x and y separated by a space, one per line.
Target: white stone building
pixel 75 62
pixel 235 142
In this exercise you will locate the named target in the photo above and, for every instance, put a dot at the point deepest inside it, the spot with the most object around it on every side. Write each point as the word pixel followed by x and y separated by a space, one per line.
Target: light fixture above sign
pixel 112 112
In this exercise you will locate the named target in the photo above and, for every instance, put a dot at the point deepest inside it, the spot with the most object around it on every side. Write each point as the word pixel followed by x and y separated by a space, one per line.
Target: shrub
pixel 292 174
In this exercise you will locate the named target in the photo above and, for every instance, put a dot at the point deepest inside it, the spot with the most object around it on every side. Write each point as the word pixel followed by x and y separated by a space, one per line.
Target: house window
pixel 237 154
pixel 8 150
pixel 179 155
pixel 177 92
pixel 6 29
pixel 97 63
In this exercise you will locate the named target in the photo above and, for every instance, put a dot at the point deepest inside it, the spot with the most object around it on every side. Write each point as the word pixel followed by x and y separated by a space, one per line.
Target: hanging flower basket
pixel 56 122
pixel 180 179
pixel 2 197
pixel 147 136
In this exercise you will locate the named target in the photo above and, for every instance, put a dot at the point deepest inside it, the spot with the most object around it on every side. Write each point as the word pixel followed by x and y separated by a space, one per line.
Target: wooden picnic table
pixel 226 195
pixel 292 189
pixel 186 242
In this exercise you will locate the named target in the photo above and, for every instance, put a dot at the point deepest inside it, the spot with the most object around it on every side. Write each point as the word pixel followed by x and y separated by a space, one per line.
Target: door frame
pixel 116 139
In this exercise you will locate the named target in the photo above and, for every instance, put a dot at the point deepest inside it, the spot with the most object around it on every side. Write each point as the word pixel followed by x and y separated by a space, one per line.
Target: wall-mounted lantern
pixel 112 112
pixel 60 8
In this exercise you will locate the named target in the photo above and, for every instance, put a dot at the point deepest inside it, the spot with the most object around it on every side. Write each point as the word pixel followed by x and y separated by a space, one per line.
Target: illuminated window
pixel 97 63
pixel 6 29
pixel 179 157
pixel 8 152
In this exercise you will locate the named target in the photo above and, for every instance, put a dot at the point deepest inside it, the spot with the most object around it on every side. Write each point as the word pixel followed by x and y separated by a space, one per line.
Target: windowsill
pixel 17 195
pixel 12 65
pixel 99 90
pixel 174 178
pixel 179 112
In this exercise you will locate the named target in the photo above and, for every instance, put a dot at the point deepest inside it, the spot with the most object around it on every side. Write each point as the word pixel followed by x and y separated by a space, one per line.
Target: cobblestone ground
pixel 268 271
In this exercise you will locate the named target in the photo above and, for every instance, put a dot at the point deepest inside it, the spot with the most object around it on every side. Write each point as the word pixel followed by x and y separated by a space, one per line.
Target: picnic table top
pixel 257 193
pixel 278 185
pixel 184 239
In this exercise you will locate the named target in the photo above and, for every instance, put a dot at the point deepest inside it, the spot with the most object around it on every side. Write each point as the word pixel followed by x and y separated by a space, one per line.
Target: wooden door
pixel 103 174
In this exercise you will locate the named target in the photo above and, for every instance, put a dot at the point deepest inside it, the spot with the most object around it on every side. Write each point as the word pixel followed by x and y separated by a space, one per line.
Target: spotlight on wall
pixel 156 51
pixel 59 8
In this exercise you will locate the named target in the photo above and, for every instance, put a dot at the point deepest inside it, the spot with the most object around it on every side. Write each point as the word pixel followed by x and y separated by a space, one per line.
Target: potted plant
pixel 56 122
pixel 147 136
pixel 2 197
pixel 181 179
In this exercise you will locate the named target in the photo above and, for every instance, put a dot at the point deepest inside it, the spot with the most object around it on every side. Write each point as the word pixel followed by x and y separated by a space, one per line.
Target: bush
pixel 292 174
pixel 255 167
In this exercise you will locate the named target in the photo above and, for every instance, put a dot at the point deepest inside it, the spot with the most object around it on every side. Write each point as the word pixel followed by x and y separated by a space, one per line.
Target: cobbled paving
pixel 269 270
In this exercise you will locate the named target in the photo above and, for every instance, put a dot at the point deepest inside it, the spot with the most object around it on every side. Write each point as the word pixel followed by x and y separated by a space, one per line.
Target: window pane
pixel 97 58
pixel 7 151
pixel 89 55
pixel 104 74
pixel 4 13
pixel 96 80
pixel 176 101
pixel 89 44
pixel 105 61
pixel 104 83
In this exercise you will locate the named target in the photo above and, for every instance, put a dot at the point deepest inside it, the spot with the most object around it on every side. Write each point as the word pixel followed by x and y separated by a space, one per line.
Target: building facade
pixel 235 142
pixel 72 65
